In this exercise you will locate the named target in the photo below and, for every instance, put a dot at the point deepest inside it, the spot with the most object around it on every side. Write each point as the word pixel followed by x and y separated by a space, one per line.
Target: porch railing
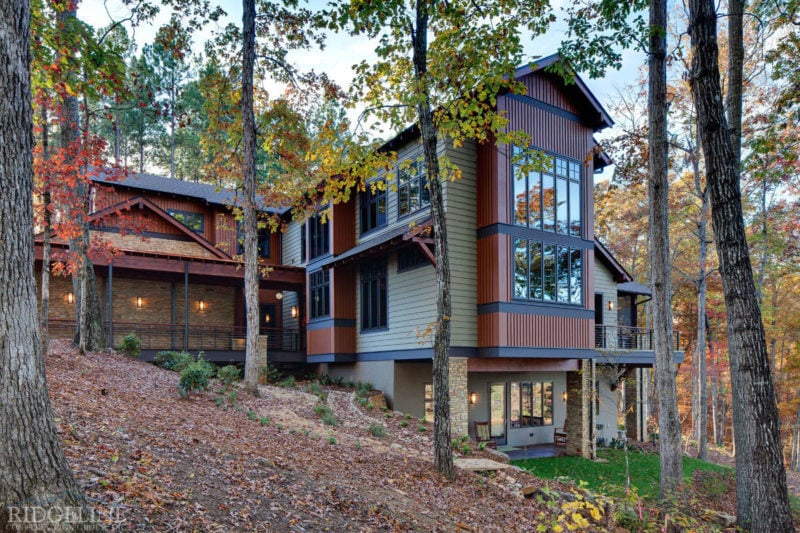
pixel 206 338
pixel 627 338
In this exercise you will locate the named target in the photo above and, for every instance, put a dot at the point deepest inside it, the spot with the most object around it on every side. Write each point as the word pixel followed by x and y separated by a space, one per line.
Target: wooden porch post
pixel 110 341
pixel 186 306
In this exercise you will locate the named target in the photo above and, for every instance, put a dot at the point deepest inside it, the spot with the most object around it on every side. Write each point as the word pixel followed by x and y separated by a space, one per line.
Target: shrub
pixel 404 423
pixel 330 419
pixel 229 375
pixel 194 377
pixel 131 345
pixel 288 383
pixel 331 440
pixel 270 373
pixel 376 430
pixel 264 420
pixel 176 361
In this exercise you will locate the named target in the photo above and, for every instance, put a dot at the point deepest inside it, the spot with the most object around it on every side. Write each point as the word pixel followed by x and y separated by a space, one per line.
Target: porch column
pixel 579 405
pixel 459 402
pixel 263 358
pixel 632 405
pixel 186 307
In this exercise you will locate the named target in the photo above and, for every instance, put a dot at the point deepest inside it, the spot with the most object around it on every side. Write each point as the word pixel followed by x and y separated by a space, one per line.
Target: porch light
pixel 279 295
pixel 70 298
pixel 611 305
pixel 564 396
pixel 202 305
pixel 139 302
pixel 267 319
pixel 473 398
pixel 294 311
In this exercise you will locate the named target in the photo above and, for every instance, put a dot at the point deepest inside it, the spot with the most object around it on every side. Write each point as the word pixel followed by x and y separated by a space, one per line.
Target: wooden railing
pixel 627 338
pixel 206 338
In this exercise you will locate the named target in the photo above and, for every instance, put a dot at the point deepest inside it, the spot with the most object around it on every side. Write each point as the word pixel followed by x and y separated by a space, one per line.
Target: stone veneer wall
pixel 578 424
pixel 459 401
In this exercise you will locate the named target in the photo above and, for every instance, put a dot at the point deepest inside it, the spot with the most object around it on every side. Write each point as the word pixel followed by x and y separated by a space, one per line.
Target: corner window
pixel 412 188
pixel 531 404
pixel 373 295
pixel 262 240
pixel 373 206
pixel 550 199
pixel 193 221
pixel 547 272
pixel 319 293
pixel 318 240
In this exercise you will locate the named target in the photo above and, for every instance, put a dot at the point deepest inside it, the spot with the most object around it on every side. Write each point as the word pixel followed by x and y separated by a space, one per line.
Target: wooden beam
pixel 423 245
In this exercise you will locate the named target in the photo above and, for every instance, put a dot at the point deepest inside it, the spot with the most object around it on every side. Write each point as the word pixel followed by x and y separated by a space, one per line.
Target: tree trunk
pixel 249 189
pixel 443 453
pixel 700 394
pixel 669 428
pixel 762 497
pixel 44 301
pixel 33 470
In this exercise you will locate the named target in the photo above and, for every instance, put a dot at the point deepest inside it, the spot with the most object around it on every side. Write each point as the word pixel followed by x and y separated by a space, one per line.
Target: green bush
pixel 377 430
pixel 131 345
pixel 176 361
pixel 288 383
pixel 195 377
pixel 229 375
pixel 271 374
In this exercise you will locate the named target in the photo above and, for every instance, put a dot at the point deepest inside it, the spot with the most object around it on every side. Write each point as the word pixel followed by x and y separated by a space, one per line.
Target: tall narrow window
pixel 412 188
pixel 520 268
pixel 373 295
pixel 319 288
pixel 318 239
pixel 373 206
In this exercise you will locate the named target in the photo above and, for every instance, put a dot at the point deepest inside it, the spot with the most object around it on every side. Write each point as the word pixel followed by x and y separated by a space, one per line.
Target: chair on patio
pixel 560 435
pixel 483 434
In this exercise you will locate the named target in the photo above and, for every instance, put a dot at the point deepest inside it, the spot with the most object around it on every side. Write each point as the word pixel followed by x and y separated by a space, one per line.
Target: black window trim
pixel 382 266
pixel 423 177
pixel 555 302
pixel 186 214
pixel 364 198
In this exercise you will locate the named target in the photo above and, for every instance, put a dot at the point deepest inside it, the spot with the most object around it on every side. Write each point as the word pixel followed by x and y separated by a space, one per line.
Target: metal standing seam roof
pixel 190 189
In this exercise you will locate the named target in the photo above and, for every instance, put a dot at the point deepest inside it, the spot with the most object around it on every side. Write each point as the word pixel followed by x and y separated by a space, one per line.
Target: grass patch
pixel 609 477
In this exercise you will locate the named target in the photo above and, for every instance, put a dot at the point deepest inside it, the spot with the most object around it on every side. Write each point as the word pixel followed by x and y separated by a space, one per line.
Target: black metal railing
pixel 193 338
pixel 627 338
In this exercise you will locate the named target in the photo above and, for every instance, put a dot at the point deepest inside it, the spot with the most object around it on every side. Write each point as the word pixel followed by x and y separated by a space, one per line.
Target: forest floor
pixel 150 460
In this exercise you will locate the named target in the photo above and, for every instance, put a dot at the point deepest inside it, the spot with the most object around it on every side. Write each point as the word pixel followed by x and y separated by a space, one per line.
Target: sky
pixel 343 51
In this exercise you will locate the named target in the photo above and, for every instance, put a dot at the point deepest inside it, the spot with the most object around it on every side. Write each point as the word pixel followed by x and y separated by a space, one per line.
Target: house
pixel 545 321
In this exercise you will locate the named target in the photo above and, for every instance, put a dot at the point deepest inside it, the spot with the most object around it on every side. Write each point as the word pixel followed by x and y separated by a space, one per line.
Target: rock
pixel 718 517
pixel 377 400
pixel 480 465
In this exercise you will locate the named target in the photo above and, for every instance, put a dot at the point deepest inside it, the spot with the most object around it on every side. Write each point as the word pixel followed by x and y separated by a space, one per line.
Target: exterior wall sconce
pixel 611 305
pixel 473 398
pixel 267 319
pixel 139 302
pixel 294 311
pixel 279 295
pixel 70 298
pixel 564 396
pixel 201 305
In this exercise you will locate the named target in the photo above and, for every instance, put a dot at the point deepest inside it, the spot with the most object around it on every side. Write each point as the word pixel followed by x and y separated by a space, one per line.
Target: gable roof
pixel 200 191
pixel 618 272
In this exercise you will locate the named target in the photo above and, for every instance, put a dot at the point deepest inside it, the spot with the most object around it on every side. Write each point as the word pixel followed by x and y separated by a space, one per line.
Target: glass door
pixel 497 411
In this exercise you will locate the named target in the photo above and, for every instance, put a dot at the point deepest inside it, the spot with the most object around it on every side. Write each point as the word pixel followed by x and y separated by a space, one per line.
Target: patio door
pixel 497 411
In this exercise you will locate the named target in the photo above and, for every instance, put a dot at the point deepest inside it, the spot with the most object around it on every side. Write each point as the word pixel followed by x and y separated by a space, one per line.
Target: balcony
pixel 627 338
pixel 219 343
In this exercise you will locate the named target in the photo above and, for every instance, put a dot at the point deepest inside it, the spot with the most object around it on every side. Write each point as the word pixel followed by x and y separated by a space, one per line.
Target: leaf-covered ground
pixel 152 461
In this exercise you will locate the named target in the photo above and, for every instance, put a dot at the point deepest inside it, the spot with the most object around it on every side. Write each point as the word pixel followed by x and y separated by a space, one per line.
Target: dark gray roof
pixel 190 189
pixel 633 287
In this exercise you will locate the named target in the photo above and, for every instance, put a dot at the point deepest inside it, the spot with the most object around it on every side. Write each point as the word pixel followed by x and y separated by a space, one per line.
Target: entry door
pixel 497 411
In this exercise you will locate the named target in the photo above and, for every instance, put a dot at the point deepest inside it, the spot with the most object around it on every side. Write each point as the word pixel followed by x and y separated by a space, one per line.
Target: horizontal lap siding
pixel 291 252
pixel 605 285
pixel 535 331
pixel 461 205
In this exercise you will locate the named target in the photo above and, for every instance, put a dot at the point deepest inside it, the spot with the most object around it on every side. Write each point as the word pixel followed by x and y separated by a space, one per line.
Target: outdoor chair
pixel 560 435
pixel 483 434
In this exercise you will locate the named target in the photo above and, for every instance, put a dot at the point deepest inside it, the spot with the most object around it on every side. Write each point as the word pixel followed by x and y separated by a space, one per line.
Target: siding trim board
pixel 535 308
pixel 534 234
pixel 414 354
pixel 326 323
pixel 332 358
pixel 536 353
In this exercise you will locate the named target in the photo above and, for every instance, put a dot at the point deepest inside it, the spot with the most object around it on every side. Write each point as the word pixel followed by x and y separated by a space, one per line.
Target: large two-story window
pixel 412 188
pixel 190 219
pixel 373 206
pixel 318 239
pixel 319 289
pixel 262 240
pixel 550 199
pixel 531 404
pixel 547 272
pixel 373 295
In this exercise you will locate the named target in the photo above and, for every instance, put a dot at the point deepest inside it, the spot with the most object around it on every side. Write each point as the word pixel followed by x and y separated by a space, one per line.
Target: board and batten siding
pixel 290 244
pixel 411 307
pixel 460 206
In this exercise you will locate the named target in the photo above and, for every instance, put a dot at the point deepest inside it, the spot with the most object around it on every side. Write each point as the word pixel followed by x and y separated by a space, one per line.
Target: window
pixel 410 257
pixel 373 206
pixel 547 272
pixel 193 221
pixel 262 240
pixel 373 295
pixel 318 240
pixel 412 188
pixel 428 402
pixel 319 293
pixel 550 199
pixel 531 404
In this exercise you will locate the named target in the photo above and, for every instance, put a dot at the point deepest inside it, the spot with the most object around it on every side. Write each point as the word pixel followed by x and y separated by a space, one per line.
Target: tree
pixel 669 427
pixel 33 469
pixel 759 458
pixel 441 66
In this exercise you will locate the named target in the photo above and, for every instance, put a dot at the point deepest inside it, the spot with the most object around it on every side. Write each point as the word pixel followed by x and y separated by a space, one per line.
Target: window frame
pixel 318 237
pixel 186 216
pixel 405 262
pixel 373 278
pixel 574 256
pixel 369 200
pixel 263 236
pixel 319 281
pixel 419 179
pixel 537 394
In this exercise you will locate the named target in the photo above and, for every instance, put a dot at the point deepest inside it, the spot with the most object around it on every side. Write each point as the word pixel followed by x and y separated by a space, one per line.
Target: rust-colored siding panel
pixel 543 86
pixel 331 340
pixel 494 284
pixel 344 226
pixel 343 289
pixel 537 331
